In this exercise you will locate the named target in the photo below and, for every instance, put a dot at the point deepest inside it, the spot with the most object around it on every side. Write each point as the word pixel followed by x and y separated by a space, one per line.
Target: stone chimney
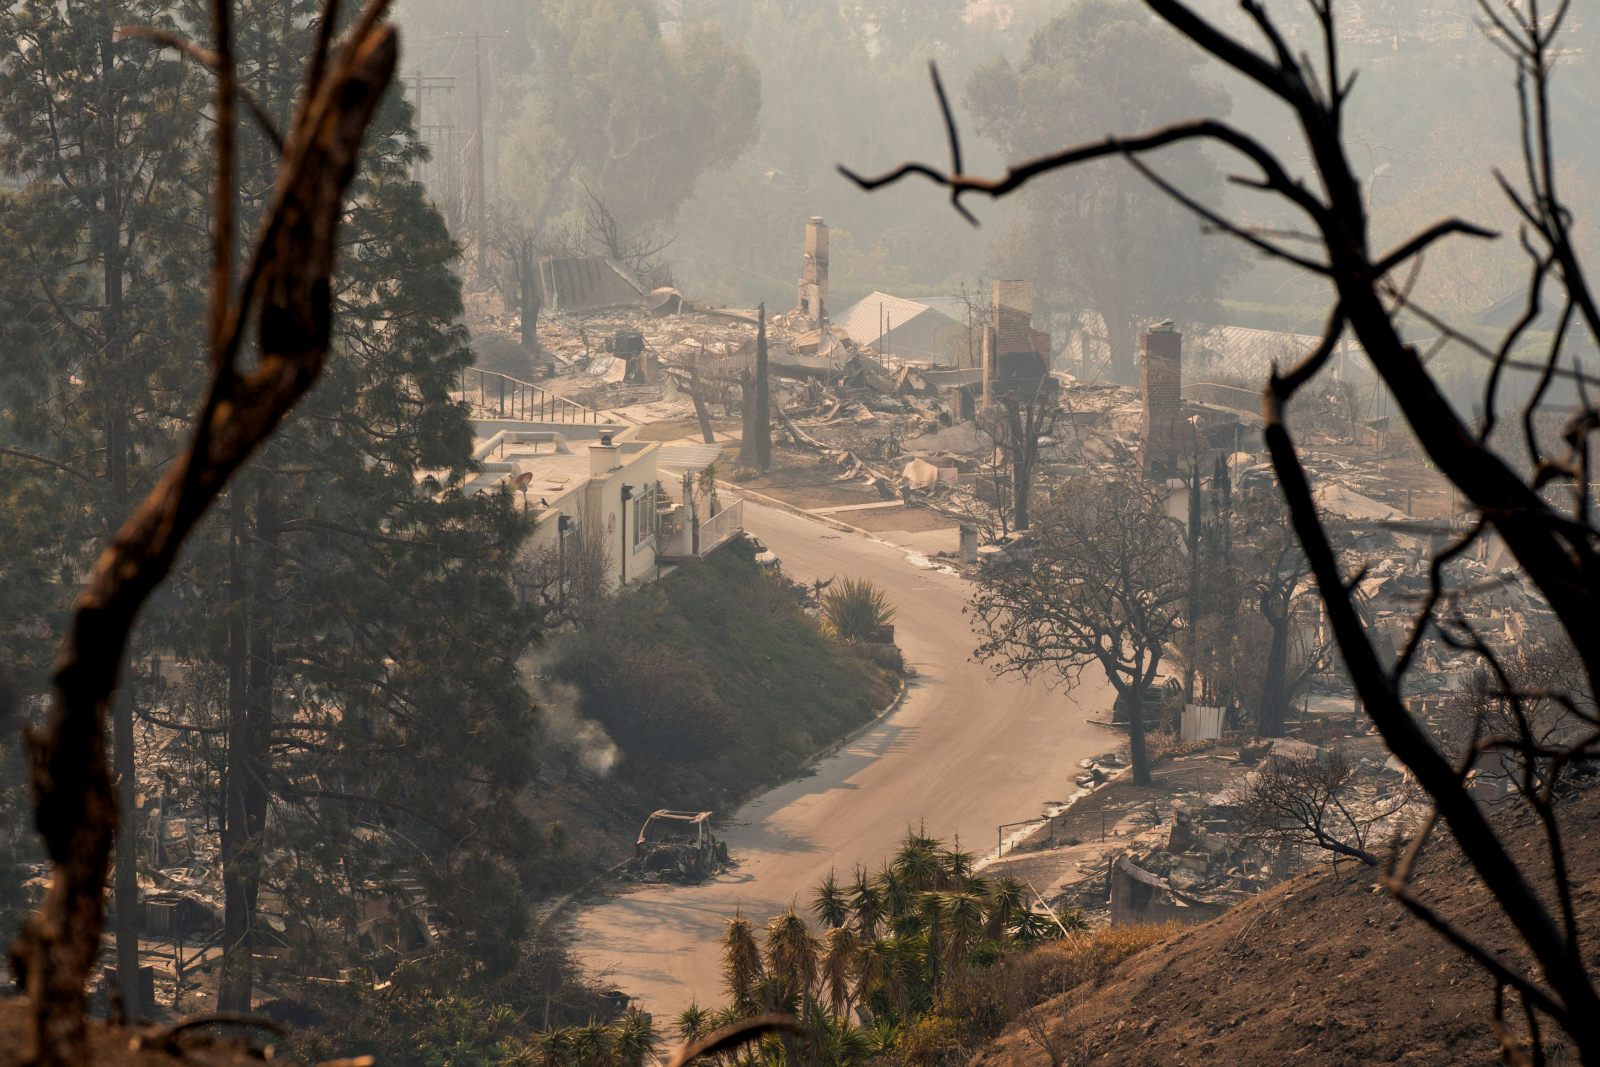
pixel 814 272
pixel 604 457
pixel 1168 437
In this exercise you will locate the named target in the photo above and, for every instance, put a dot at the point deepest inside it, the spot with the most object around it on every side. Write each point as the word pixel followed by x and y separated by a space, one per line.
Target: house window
pixel 644 514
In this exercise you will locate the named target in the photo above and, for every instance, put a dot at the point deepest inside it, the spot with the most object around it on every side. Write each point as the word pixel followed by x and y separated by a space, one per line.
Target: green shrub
pixel 886 657
pixel 856 610
pixel 714 680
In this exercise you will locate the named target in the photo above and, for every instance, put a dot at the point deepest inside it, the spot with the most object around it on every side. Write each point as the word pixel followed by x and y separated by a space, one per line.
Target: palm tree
pixel 741 958
pixel 829 905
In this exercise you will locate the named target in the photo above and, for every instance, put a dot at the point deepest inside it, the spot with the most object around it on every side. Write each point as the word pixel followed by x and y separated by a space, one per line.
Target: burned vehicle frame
pixel 677 846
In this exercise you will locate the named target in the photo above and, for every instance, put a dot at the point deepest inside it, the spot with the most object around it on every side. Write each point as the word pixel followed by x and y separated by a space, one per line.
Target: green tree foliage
pixel 99 311
pixel 718 670
pixel 635 118
pixel 377 728
pixel 416 1021
pixel 331 674
pixel 1103 239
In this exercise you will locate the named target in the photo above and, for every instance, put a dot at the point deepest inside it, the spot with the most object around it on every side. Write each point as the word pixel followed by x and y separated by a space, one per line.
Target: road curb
pixel 823 752
pixel 851 737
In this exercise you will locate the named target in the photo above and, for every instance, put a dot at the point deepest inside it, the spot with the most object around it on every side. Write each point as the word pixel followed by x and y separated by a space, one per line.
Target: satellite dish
pixel 523 480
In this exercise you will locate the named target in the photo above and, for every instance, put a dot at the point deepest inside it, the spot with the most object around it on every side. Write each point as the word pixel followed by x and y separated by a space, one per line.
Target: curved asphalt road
pixel 963 753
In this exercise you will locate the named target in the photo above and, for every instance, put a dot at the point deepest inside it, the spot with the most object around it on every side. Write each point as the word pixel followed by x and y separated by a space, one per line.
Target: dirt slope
pixel 1322 970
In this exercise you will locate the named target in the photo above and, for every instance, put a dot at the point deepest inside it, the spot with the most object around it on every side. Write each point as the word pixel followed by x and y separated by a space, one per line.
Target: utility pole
pixel 483 215
pixel 479 192
pixel 421 83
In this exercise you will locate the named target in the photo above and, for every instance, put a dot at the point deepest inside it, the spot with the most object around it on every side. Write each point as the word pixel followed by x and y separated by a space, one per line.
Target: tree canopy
pixel 1104 240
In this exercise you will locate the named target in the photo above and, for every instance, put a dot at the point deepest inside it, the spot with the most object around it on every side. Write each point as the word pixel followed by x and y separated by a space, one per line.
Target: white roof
pixel 865 320
pixel 1240 353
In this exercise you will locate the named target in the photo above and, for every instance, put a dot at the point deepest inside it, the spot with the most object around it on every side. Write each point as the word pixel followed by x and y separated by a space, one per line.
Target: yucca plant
pixel 830 905
pixel 839 960
pixel 633 1040
pixel 883 1036
pixel 1007 899
pixel 866 904
pixel 917 865
pixel 692 1022
pixel 792 952
pixel 741 958
pixel 853 609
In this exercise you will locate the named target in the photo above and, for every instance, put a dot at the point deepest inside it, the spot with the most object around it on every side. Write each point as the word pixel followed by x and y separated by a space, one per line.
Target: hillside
pixel 1323 969
pixel 694 691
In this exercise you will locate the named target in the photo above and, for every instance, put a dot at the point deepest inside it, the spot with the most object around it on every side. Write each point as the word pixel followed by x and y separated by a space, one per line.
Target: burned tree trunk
pixel 1274 685
pixel 250 663
pixel 749 452
pixel 763 398
pixel 697 396
pixel 233 987
pixel 531 306
pixel 1138 752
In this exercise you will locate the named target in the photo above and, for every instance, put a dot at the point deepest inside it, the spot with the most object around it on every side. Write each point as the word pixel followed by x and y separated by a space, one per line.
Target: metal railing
pixel 721 526
pixel 499 396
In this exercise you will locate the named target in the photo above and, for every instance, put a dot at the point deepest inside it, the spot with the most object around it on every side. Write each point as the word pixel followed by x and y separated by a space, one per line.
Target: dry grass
pixel 973 1007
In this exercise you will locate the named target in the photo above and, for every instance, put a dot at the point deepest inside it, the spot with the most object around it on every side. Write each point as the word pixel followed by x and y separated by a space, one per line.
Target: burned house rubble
pixel 176 832
pixel 1202 842
pixel 872 427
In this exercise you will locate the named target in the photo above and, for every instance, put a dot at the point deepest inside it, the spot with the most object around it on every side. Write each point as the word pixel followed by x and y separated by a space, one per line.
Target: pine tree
pixel 102 306
pixel 348 623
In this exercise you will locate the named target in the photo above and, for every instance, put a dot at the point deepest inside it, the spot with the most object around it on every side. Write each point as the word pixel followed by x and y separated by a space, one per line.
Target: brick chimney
pixel 814 272
pixel 1010 330
pixel 1168 437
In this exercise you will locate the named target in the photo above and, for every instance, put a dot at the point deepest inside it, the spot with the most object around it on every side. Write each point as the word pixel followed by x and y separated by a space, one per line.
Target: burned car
pixel 677 846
